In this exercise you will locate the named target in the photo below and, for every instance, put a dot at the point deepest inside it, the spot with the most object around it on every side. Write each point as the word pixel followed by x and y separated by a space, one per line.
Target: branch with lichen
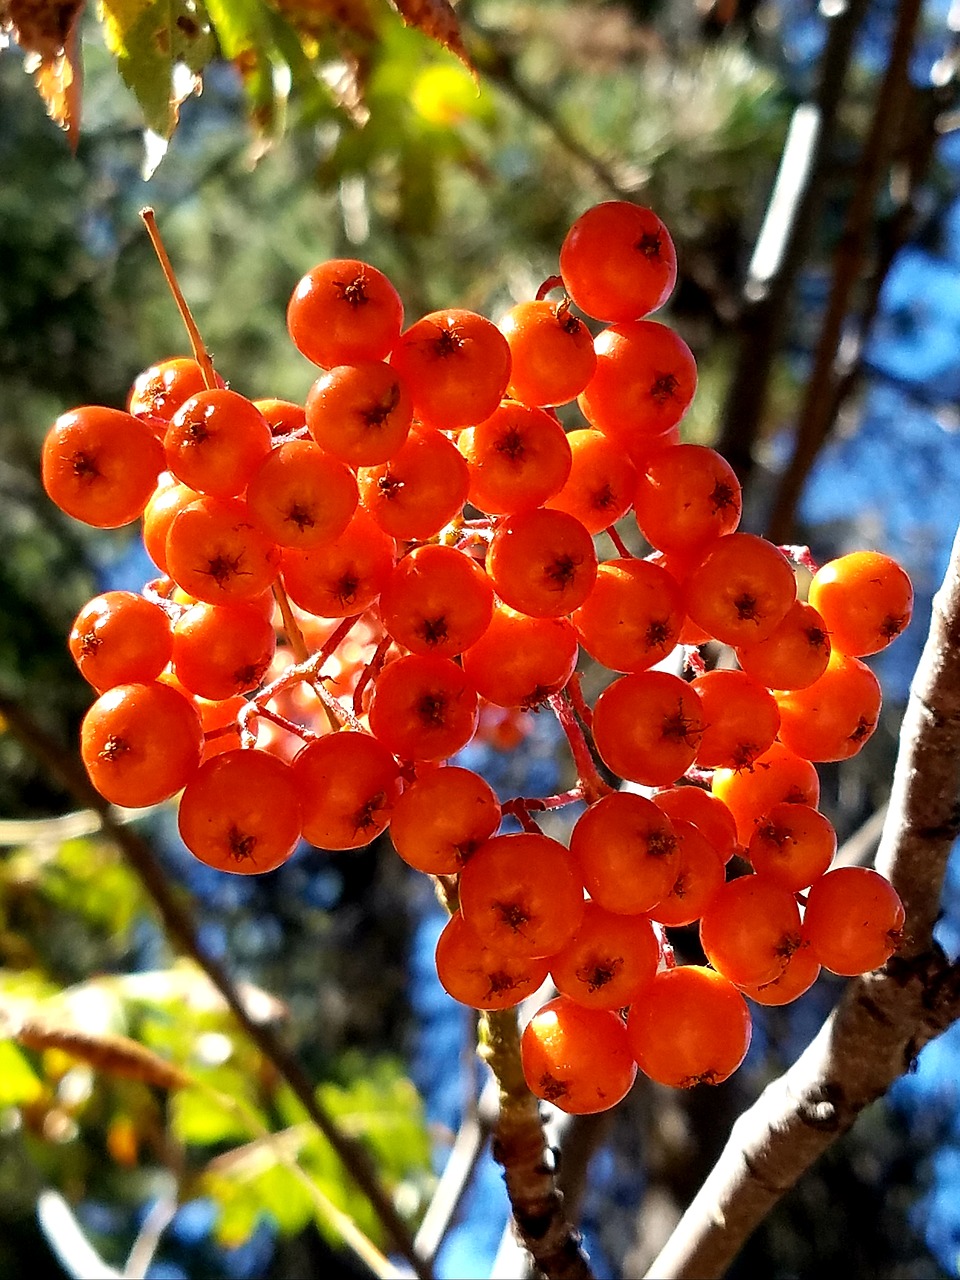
pixel 520 1146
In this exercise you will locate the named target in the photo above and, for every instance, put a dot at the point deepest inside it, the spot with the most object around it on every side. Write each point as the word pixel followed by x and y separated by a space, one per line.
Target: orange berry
pixel 518 458
pixel 422 487
pixel 632 617
pixel 647 727
pixel 608 961
pixel 478 975
pixel 343 311
pixel 456 364
pixel 798 975
pixel 166 502
pixel 301 496
pixel 344 576
pixel 520 661
pixel 740 719
pixel 699 877
pixel 216 552
pixel 100 465
pixel 283 416
pixel 627 852
pixel 833 718
pixel 141 743
pixel 618 261
pixel 120 638
pixel 442 819
pixel 543 563
pixel 423 708
pixel 793 846
pixel 361 413
pixel 776 776
pixel 793 655
pixel 599 489
pixel 741 590
pixel 687 495
pixel 222 649
pixel 691 1027
pixel 551 353
pixel 708 814
pixel 216 441
pixel 865 599
pixel 643 383
pixel 241 812
pixel 750 928
pixel 348 784
pixel 522 894
pixel 853 921
pixel 159 391
pixel 437 600
pixel 577 1058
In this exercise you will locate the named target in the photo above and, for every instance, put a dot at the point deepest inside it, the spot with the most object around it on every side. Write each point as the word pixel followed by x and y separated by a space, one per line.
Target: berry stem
pixel 619 543
pixel 290 626
pixel 519 808
pixel 666 948
pixel 551 283
pixel 200 353
pixel 592 787
pixel 335 707
pixel 580 706
pixel 800 555
pixel 370 672
pixel 539 804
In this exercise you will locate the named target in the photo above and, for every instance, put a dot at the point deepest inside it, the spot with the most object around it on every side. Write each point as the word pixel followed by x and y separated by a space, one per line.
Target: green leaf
pixel 151 39
pixel 198 1119
pixel 242 26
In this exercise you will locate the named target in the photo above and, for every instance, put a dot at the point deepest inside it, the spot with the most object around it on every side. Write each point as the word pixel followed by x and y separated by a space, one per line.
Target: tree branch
pixel 781 247
pixel 883 1019
pixel 528 1165
pixel 816 413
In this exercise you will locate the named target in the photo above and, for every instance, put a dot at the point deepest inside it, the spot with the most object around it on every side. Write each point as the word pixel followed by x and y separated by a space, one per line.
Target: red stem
pixel 592 787
pixel 619 543
pixel 580 705
pixel 551 283
pixel 370 671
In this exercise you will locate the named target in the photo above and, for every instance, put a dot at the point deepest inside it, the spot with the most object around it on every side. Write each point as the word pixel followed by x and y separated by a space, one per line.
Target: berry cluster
pixel 423 534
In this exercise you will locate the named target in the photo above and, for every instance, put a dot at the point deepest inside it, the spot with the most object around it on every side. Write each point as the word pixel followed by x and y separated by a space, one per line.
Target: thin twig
pixel 457 1174
pixel 791 217
pixel 200 353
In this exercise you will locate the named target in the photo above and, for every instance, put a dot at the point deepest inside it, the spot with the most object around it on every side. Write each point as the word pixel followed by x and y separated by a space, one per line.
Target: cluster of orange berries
pixel 423 535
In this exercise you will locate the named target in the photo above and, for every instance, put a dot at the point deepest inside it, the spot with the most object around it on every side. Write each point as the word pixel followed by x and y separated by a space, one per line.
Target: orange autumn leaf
pixel 48 31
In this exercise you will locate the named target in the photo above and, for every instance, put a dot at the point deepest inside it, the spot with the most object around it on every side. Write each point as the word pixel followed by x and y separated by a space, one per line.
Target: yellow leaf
pixel 117 17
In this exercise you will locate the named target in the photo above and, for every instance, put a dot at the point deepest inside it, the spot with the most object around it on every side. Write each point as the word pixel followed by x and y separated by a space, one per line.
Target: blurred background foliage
pixel 460 189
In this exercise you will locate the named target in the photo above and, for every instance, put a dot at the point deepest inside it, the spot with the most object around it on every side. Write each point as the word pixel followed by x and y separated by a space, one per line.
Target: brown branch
pixel 520 1146
pixel 815 419
pixel 791 217
pixel 179 926
pixel 884 1018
